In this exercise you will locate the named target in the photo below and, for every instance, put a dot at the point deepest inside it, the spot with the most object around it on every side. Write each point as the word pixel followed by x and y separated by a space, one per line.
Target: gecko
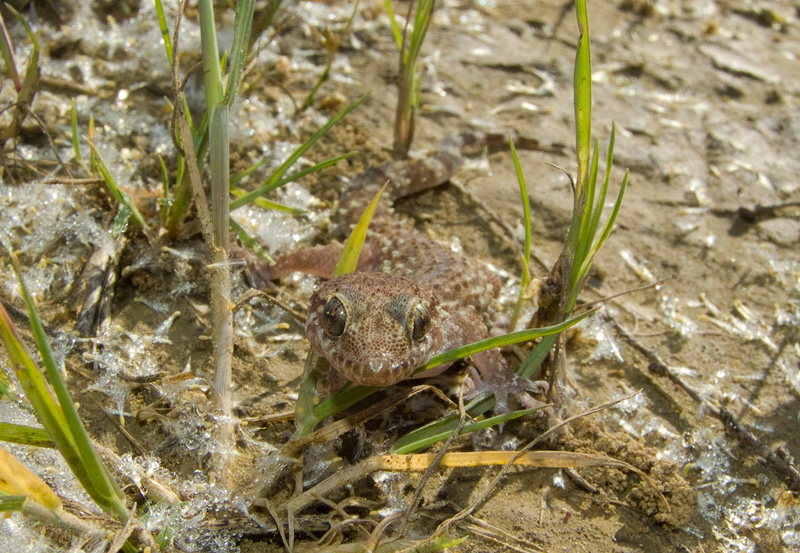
pixel 411 296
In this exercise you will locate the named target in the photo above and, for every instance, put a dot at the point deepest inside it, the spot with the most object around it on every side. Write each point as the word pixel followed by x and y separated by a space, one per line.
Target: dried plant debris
pixel 704 98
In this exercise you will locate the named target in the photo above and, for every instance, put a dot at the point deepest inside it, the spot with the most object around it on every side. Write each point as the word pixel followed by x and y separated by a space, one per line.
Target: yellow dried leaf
pixel 17 479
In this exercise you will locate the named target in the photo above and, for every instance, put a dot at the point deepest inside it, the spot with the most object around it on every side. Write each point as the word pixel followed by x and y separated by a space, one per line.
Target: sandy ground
pixel 704 97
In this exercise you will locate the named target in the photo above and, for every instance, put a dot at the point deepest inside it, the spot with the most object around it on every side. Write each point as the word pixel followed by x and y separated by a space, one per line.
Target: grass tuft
pixel 409 85
pixel 26 90
pixel 330 44
pixel 583 241
pixel 54 408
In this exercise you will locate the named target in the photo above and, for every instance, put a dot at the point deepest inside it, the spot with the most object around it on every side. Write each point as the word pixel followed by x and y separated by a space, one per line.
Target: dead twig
pixel 52 144
pixel 479 527
pixel 462 420
pixel 588 305
pixel 96 286
pixel 757 213
pixel 328 538
pixel 289 455
pixel 74 181
pixel 478 501
pixel 253 293
pixel 337 428
pixel 57 84
pixel 380 530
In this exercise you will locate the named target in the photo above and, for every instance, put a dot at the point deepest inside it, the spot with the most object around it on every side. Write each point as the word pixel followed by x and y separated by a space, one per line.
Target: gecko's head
pixel 374 329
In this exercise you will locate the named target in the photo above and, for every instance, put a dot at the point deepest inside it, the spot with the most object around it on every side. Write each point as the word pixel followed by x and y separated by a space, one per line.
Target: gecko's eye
pixel 420 321
pixel 334 317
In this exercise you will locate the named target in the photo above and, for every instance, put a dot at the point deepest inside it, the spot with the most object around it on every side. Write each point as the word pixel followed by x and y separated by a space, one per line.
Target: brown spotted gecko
pixel 411 296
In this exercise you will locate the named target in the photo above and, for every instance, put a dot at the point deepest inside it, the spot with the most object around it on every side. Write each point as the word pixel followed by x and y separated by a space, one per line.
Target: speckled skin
pixel 377 347
pixel 398 264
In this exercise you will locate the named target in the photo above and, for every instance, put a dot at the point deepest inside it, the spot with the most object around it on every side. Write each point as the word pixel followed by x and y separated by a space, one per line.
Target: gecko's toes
pixel 508 385
pixel 259 271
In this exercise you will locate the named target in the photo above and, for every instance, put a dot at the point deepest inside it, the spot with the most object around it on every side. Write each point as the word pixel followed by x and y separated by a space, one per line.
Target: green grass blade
pixel 601 199
pixel 583 94
pixel 119 195
pixel 24 23
pixel 243 22
pixel 4 388
pixel 305 419
pixel 178 176
pixel 409 83
pixel 200 133
pixel 223 60
pixel 269 185
pixel 320 81
pixel 165 202
pixel 421 441
pixel 120 222
pixel 183 191
pixel 341 400
pixel 526 253
pixel 162 24
pixel 398 34
pixel 444 543
pixel 74 121
pixel 62 421
pixel 212 75
pixel 585 239
pixel 250 242
pixel 171 527
pixel 219 148
pixel 269 204
pixel 11 503
pixel 8 55
pixel 612 217
pixel 32 381
pixel 536 356
pixel 239 176
pixel 27 435
pixel 441 427
pixel 504 340
pixel 422 22
pixel 474 409
pixel 42 345
pixel 278 174
pixel 41 399
pixel 181 198
pixel 352 247
pixel 526 207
